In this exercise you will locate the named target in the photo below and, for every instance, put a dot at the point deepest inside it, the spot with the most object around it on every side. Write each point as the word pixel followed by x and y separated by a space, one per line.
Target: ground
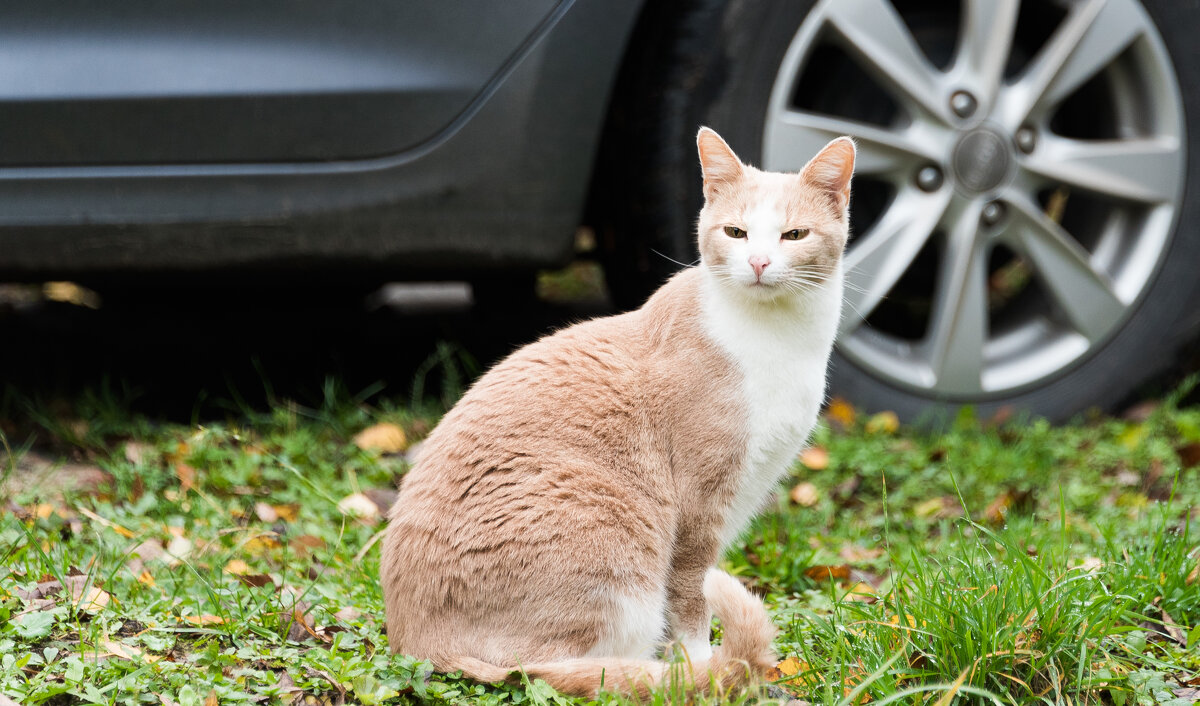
pixel 235 559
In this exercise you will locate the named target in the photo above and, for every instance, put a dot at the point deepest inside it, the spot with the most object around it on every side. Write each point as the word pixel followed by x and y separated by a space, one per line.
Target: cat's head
pixel 769 234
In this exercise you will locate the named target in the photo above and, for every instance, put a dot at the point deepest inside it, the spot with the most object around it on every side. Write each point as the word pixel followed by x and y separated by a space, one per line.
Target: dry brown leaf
pixel 1189 454
pixel 202 620
pixel 1173 629
pixel 306 543
pixel 883 423
pixel 828 573
pixel 211 699
pixel 815 458
pixel 348 614
pixel 841 413
pixel 805 494
pixel 385 437
pixel 359 505
pixel 1193 576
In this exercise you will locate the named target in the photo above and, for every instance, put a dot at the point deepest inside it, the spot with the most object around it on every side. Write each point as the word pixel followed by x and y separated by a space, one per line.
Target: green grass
pixel 1011 563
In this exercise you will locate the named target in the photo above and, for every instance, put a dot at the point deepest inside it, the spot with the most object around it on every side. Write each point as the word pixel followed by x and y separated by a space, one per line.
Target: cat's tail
pixel 744 653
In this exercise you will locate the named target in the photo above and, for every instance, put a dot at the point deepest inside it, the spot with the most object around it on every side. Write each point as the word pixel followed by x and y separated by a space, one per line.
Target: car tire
pixel 717 64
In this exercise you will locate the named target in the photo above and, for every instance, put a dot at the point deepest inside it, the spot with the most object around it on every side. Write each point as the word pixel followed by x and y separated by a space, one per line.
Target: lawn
pixel 235 560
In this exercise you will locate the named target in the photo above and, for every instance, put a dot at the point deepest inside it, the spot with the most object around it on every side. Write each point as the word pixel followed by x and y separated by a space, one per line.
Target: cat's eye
pixel 734 232
pixel 795 234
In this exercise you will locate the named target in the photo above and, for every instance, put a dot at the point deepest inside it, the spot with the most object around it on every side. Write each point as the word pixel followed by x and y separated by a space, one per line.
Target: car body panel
pixel 502 184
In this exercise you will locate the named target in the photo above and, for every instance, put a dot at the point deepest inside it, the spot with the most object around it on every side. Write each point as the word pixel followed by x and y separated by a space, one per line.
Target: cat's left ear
pixel 831 170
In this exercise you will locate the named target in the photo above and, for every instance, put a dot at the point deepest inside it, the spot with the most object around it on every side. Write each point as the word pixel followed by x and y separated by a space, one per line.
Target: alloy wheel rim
pixel 977 170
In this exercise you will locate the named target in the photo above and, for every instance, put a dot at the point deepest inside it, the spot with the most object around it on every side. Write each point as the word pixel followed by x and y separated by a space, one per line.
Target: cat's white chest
pixel 782 359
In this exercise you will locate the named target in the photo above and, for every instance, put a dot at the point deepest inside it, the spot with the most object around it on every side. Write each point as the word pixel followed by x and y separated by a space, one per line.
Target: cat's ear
pixel 719 164
pixel 831 170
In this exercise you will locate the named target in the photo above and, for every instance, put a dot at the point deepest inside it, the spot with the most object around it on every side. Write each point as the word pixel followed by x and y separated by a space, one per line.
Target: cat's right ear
pixel 720 165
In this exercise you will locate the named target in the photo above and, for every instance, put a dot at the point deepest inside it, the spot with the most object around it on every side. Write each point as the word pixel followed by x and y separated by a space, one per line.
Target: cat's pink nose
pixel 759 263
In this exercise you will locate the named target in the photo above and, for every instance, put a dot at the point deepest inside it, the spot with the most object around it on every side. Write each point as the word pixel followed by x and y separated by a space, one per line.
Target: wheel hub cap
pixel 981 160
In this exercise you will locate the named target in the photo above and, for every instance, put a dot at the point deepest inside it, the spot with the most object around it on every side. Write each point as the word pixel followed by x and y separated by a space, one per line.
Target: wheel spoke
pixel 1092 35
pixel 959 320
pixel 794 137
pixel 1144 170
pixel 984 45
pixel 881 256
pixel 1086 296
pixel 876 34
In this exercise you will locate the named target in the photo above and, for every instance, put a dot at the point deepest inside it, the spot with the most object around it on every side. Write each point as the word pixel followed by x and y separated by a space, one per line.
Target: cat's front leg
pixel 690 617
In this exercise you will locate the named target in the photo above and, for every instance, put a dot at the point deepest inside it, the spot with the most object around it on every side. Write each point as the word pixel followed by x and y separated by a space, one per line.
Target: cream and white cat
pixel 565 517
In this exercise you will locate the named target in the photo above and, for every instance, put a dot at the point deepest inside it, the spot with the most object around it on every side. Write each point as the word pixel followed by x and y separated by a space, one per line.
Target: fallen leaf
pixel 265 512
pixel 202 620
pixel 261 544
pixel 861 592
pixel 306 543
pixel 302 627
pixel 854 553
pixel 146 578
pixel 186 475
pixel 348 614
pixel 124 651
pixel 383 498
pixel 89 599
pixel 805 494
pixel 288 512
pixel 211 699
pixel 177 550
pixel 1189 454
pixel 1173 629
pixel 841 412
pixel 237 567
pixel 883 423
pixel 815 458
pixel 785 673
pixel 1193 576
pixel 138 453
pixel 385 437
pixel 939 508
pixel 256 580
pixel 828 573
pixel 1090 563
pixel 105 522
pixel 1188 694
pixel 358 505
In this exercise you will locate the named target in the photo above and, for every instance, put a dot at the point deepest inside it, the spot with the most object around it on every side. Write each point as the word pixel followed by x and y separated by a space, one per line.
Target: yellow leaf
pixel 261 544
pixel 287 513
pixel 1133 436
pixel 237 567
pixel 841 412
pixel 861 593
pixel 104 522
pixel 815 457
pixel 883 423
pixel 146 578
pixel 202 620
pixel 828 573
pixel 384 437
pixel 805 494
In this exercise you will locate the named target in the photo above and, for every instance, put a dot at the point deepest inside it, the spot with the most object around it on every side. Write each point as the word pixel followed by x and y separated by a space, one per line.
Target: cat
pixel 565 517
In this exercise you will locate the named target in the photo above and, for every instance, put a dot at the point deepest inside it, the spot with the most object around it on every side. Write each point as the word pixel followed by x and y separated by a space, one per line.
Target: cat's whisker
pixel 671 259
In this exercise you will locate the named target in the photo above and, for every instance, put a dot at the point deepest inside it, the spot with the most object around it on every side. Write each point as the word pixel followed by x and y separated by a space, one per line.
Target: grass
pixel 992 562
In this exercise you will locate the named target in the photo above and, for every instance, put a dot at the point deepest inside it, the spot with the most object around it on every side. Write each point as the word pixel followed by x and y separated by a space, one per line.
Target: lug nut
pixel 1026 139
pixel 963 104
pixel 929 178
pixel 992 213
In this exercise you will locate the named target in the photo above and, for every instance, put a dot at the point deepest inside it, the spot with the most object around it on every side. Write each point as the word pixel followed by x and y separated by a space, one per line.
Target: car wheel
pixel 1024 224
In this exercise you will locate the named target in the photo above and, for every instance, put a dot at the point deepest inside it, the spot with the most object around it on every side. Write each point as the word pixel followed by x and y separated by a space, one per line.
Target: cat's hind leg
pixel 636 626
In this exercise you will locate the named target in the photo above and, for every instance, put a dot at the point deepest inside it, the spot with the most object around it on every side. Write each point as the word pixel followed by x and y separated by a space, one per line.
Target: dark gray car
pixel 1025 224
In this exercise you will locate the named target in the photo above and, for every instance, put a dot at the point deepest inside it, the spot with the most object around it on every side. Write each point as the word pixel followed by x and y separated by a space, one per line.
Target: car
pixel 1024 213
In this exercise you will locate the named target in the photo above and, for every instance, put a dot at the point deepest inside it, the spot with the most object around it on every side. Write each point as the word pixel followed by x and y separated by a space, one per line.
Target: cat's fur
pixel 565 517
